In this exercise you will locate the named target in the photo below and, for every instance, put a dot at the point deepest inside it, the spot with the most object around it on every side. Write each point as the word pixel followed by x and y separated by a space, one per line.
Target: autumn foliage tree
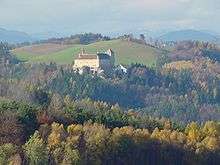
pixel 11 131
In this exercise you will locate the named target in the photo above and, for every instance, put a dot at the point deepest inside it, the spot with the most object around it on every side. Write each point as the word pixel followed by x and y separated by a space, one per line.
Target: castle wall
pixel 92 63
pixel 105 64
pixel 103 61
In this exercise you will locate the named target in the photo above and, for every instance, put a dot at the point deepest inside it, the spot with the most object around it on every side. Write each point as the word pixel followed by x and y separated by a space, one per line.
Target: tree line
pixel 87 132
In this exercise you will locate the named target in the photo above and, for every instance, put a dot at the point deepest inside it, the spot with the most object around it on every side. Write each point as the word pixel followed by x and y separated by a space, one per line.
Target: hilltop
pixel 14 37
pixel 126 52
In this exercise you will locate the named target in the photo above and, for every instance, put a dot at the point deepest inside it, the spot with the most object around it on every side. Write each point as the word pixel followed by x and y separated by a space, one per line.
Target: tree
pixel 68 100
pixel 71 156
pixel 11 131
pixel 96 137
pixel 193 132
pixel 56 103
pixel 211 128
pixel 142 38
pixel 211 143
pixel 162 60
pixel 56 136
pixel 56 142
pixel 6 152
pixel 36 150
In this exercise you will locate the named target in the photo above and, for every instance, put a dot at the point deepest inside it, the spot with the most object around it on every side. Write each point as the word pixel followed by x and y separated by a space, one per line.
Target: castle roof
pixel 87 56
pixel 101 56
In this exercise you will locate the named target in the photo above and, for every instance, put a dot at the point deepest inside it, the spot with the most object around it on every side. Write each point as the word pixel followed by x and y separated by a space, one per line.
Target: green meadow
pixel 126 53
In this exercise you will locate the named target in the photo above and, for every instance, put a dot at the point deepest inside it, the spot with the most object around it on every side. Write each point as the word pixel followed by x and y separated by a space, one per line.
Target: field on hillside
pixel 126 52
pixel 43 49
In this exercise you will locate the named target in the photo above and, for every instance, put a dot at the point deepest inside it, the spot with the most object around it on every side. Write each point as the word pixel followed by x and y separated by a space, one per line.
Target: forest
pixel 166 114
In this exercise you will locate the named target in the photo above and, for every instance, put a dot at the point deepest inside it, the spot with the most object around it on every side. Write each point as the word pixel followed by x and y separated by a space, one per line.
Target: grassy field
pixel 126 52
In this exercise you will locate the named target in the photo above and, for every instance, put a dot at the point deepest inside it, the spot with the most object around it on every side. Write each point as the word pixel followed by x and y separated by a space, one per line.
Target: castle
pixel 95 62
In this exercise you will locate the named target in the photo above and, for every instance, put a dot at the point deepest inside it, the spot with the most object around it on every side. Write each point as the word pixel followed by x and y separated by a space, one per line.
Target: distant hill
pixel 14 37
pixel 188 35
pixel 126 52
pixel 191 50
pixel 46 35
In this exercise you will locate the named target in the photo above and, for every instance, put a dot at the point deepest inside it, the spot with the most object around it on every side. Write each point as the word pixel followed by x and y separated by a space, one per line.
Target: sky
pixel 109 16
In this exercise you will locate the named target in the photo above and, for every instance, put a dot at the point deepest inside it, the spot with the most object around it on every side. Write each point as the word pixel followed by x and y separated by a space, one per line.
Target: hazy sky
pixel 72 16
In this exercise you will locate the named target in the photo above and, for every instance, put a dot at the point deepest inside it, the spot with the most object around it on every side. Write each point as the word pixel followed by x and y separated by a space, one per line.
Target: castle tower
pixel 112 56
pixel 82 52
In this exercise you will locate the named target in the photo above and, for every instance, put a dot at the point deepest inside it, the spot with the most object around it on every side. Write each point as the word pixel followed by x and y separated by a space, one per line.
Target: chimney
pixel 82 52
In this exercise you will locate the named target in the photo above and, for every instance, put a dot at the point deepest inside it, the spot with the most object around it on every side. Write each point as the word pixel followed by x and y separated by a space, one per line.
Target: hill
pixel 188 35
pixel 14 37
pixel 126 52
pixel 45 35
